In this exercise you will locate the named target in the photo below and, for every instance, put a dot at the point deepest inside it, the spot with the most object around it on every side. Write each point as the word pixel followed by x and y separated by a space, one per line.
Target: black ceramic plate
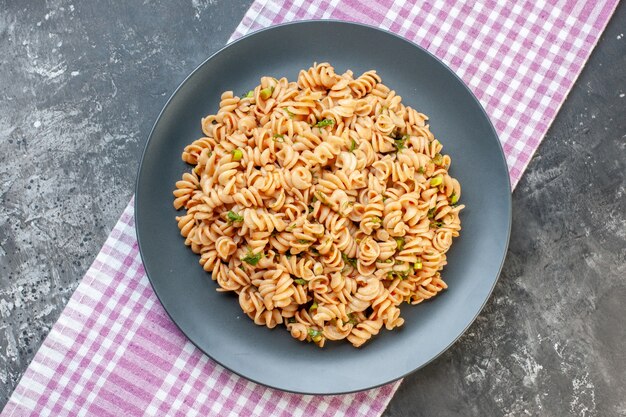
pixel 214 322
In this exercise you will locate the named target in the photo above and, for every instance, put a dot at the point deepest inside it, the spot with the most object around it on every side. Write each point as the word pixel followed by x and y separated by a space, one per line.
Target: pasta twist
pixel 364 331
pixel 364 84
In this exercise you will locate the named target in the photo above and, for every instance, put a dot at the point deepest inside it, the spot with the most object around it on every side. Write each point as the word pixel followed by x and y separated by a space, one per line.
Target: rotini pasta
pixel 323 203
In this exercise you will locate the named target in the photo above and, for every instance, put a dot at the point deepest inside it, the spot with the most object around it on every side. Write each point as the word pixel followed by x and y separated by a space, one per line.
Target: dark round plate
pixel 214 322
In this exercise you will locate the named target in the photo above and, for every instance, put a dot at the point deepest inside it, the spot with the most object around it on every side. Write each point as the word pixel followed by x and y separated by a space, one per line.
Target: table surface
pixel 81 85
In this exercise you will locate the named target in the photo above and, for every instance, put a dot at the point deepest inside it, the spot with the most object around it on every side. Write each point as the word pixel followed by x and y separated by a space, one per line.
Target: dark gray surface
pixel 550 340
pixel 202 313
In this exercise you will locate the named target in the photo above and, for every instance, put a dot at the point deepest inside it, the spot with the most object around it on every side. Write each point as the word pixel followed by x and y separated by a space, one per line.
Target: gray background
pixel 76 83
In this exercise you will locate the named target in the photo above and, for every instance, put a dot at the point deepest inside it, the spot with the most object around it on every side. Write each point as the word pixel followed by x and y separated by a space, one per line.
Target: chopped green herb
pixel 291 227
pixel 311 208
pixel 252 258
pixel 278 138
pixel 291 115
pixel 314 251
pixel 237 155
pixel 267 92
pixel 385 198
pixel 431 212
pixel 418 264
pixel 351 261
pixel 288 255
pixel 351 319
pixel 304 241
pixel 325 122
pixel 300 281
pixel 436 224
pixel 454 199
pixel 421 170
pixel 315 335
pixel 242 267
pixel 249 94
pixel 313 306
pixel 438 159
pixel 400 143
pixel 375 219
pixel 388 261
pixel 233 217
pixel 436 181
pixel 399 243
pixel 352 145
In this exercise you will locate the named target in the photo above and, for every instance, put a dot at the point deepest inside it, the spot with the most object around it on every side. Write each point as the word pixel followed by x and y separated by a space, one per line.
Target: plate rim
pixel 508 201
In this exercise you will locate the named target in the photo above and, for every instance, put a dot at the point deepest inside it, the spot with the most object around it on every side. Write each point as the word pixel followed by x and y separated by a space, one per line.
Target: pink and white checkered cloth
pixel 114 351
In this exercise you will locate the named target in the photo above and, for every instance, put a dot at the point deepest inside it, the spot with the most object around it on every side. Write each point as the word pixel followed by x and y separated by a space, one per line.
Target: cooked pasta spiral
pixel 323 203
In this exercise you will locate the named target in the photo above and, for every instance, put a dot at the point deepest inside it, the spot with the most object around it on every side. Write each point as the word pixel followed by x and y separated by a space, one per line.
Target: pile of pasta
pixel 323 203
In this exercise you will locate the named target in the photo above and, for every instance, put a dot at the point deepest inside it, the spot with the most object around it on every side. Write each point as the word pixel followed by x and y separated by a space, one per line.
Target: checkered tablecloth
pixel 114 351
